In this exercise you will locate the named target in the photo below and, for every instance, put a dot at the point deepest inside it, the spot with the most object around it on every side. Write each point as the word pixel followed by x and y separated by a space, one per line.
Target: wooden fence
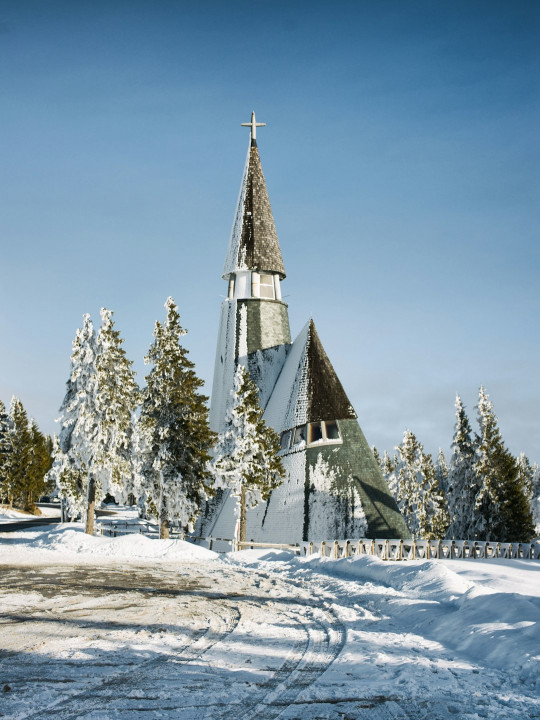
pixel 421 549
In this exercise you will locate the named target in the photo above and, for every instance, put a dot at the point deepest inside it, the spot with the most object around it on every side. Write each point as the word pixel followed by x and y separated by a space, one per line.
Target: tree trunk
pixel 163 524
pixel 91 506
pixel 242 533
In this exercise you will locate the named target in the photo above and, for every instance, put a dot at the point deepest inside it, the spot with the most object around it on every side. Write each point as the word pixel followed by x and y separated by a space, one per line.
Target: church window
pixel 314 432
pixel 231 287
pixel 299 435
pixel 332 430
pixel 286 440
pixel 267 289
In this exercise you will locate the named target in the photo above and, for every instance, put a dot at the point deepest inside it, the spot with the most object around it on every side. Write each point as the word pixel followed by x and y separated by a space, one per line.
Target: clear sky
pixel 401 158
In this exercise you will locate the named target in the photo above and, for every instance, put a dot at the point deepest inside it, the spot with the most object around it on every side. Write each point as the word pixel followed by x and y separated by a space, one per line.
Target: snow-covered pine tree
pixel 405 480
pixel 462 483
pixel 73 464
pixel 433 517
pixel 70 481
pixel 40 461
pixel 21 452
pixel 116 398
pixel 441 471
pixel 173 435
pixel 535 503
pixel 525 475
pixel 246 453
pixel 502 511
pixel 377 457
pixel 5 452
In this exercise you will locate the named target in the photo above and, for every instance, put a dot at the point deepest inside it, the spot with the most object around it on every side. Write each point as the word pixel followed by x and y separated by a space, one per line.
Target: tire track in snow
pixel 325 637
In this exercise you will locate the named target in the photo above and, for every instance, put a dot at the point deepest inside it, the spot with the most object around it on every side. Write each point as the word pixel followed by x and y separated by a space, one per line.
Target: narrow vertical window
pixel 267 287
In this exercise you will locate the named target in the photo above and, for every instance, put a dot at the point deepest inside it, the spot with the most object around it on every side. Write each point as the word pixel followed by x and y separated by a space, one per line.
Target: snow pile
pixel 67 542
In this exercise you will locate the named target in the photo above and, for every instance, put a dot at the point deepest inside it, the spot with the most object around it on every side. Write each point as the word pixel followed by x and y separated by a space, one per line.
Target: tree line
pixel 25 458
pixel 483 492
pixel 154 445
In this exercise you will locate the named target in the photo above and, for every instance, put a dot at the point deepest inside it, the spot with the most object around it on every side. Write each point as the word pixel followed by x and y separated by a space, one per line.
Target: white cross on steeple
pixel 253 125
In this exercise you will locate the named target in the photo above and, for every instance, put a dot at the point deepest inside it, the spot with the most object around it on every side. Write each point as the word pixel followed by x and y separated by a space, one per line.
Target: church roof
pixel 308 388
pixel 254 243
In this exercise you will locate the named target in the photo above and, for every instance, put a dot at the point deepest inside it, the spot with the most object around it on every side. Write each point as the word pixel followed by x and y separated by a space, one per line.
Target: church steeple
pixel 254 245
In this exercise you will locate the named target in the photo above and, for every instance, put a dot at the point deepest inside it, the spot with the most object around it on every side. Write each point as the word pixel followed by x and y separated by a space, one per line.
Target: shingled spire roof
pixel 254 244
pixel 308 388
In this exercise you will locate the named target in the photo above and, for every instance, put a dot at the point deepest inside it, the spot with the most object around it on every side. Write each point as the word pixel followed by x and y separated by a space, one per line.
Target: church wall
pixel 281 518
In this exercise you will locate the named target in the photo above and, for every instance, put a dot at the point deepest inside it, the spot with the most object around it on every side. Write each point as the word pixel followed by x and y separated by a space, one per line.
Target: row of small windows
pixel 247 284
pixel 316 432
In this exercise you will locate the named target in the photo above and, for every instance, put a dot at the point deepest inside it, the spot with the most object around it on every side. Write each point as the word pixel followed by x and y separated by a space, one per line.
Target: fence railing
pixel 383 549
pixel 421 549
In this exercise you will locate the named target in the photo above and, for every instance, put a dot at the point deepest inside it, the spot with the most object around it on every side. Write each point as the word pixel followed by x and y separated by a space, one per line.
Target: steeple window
pixel 267 289
pixel 251 284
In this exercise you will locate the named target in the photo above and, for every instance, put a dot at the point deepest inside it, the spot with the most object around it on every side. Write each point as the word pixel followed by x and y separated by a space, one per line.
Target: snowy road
pixel 223 639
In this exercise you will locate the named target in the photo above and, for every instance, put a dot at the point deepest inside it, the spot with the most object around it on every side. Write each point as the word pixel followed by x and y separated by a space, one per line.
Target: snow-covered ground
pixel 131 627
pixel 7 515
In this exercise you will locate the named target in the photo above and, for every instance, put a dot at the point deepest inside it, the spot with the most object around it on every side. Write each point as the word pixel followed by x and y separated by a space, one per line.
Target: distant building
pixel 334 487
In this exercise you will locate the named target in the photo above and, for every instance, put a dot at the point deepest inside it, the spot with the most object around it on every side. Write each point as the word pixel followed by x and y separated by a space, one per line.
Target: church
pixel 333 486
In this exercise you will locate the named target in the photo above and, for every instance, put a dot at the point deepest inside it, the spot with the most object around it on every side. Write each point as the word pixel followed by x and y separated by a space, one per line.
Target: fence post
pixel 372 548
pixel 347 549
pixel 323 549
pixel 336 549
pixel 400 550
pixel 311 548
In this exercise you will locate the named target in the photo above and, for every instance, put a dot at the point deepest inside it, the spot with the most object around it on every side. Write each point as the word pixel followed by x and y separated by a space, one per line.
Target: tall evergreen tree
pixel 441 471
pixel 377 457
pixel 116 398
pixel 413 482
pixel 74 455
pixel 433 516
pixel 463 485
pixel 21 453
pixel 535 502
pixel 5 452
pixel 40 461
pixel 501 508
pixel 246 457
pixel 173 435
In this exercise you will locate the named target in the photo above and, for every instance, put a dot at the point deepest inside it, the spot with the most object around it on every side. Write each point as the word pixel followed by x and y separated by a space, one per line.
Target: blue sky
pixel 401 157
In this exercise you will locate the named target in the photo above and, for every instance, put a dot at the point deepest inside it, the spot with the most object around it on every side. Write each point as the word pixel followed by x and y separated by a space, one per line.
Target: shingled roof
pixel 308 388
pixel 254 243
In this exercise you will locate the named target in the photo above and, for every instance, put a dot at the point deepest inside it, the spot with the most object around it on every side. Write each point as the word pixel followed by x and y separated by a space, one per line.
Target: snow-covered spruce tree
pixel 502 511
pixel 377 457
pixel 21 453
pixel 433 517
pixel 441 471
pixel 416 489
pixel 404 480
pixel 535 503
pixel 5 452
pixel 116 398
pixel 40 461
pixel 246 453
pixel 173 435
pixel 462 483
pixel 74 454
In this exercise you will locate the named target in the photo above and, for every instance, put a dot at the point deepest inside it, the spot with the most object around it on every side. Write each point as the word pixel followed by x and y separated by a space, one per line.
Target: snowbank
pixel 67 542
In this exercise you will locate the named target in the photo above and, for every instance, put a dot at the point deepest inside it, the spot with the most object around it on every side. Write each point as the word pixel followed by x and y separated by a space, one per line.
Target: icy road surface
pixel 226 639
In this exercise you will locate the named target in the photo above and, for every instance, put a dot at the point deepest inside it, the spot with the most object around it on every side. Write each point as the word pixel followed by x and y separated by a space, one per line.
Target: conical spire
pixel 308 388
pixel 254 243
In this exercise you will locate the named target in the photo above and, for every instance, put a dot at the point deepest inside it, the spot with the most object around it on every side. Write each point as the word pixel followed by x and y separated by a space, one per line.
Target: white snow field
pixel 132 628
